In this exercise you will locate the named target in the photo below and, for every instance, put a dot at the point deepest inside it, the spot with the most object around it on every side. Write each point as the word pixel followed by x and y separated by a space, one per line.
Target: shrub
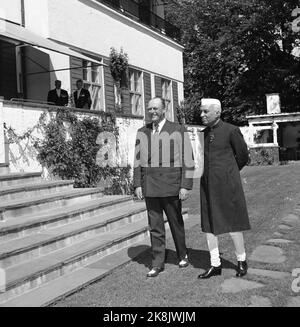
pixel 69 151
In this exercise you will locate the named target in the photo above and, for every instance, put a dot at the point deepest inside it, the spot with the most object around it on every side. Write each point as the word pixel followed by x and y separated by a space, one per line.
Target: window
pixel 92 79
pixel 136 93
pixel 167 96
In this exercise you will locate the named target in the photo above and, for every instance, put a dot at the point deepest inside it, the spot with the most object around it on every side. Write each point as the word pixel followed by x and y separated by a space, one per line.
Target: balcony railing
pixel 145 16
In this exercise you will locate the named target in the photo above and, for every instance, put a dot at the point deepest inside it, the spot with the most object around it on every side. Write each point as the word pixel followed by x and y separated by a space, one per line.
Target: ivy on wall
pixel 69 150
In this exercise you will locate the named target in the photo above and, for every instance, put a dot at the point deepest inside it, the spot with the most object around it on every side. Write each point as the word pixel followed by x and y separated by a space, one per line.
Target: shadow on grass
pixel 198 258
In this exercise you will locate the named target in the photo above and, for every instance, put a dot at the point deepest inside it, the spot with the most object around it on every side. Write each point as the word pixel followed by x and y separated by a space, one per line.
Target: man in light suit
pixel 163 175
pixel 58 96
pixel 82 97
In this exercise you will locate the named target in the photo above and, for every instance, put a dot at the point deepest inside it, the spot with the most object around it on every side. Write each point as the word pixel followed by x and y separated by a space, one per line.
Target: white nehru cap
pixel 209 102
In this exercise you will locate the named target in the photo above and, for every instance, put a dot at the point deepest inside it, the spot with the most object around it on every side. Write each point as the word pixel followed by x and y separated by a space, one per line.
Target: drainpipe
pixel 23 13
pixel 21 64
pixel 2 142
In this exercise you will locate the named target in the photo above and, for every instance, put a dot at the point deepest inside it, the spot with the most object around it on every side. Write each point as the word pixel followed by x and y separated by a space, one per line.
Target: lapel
pixel 148 133
pixel 78 95
pixel 57 94
pixel 167 127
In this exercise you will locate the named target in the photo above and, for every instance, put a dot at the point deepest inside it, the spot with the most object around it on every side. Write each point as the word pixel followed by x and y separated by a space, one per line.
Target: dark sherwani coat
pixel 223 205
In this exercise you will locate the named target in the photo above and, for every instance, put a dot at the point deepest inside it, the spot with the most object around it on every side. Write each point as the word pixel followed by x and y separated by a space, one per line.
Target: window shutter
pixel 158 90
pixel 109 88
pixel 125 96
pixel 147 88
pixel 175 99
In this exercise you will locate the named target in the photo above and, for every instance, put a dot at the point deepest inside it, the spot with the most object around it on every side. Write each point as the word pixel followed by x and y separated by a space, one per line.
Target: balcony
pixel 142 14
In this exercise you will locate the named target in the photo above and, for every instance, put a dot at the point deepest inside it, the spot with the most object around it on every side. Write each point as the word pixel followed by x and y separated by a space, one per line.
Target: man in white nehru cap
pixel 223 205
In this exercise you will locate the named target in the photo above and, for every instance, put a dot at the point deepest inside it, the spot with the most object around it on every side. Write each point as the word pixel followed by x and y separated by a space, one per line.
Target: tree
pixel 238 51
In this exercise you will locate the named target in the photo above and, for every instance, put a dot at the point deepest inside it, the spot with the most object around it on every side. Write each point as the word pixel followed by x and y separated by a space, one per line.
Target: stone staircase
pixel 55 239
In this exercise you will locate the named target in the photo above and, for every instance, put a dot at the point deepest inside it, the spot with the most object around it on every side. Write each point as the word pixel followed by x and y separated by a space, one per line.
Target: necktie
pixel 155 146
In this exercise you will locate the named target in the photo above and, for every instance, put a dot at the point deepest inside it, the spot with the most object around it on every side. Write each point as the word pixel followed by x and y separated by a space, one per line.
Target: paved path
pixel 271 254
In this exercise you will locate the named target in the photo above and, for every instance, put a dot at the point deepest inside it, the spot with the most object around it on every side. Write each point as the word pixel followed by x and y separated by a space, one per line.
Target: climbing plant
pixel 69 151
pixel 118 64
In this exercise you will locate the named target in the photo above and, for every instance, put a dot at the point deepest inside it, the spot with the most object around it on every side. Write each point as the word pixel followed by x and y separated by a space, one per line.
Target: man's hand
pixel 183 194
pixel 139 193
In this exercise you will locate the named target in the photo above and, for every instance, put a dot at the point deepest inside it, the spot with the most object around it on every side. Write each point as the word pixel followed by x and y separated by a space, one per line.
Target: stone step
pixel 4 168
pixel 68 284
pixel 15 208
pixel 19 178
pixel 52 277
pixel 27 225
pixel 20 191
pixel 34 273
pixel 27 248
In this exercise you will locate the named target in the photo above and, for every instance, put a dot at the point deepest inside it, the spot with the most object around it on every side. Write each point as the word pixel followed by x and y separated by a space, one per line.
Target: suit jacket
pixel 223 205
pixel 59 101
pixel 84 100
pixel 163 163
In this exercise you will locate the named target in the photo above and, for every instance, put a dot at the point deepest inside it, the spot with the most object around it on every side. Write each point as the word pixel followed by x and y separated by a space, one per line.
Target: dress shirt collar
pixel 160 125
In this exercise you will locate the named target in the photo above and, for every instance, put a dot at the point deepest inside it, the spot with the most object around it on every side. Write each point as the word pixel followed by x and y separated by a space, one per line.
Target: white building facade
pixel 45 40
pixel 90 28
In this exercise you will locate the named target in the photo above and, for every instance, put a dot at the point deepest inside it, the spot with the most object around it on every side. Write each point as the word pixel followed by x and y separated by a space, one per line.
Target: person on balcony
pixel 82 96
pixel 58 96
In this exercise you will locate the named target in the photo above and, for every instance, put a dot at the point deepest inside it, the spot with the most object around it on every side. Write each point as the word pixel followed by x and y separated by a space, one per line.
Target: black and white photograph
pixel 149 157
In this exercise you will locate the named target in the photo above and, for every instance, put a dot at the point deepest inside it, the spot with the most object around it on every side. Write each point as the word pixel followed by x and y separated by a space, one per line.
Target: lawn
pixel 271 192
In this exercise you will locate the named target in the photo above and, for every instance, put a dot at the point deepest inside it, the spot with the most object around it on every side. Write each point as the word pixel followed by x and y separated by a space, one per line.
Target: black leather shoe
pixel 241 268
pixel 212 271
pixel 154 272
pixel 184 262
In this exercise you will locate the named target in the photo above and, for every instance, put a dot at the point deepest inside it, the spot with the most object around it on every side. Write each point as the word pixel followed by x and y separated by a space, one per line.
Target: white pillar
pixel 275 128
pixel 251 134
pixel 2 143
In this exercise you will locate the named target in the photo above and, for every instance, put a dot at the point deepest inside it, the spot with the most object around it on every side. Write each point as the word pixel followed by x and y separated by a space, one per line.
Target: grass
pixel 272 192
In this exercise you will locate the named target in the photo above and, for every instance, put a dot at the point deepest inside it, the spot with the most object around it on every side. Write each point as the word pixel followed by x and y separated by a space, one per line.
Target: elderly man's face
pixel 155 110
pixel 210 114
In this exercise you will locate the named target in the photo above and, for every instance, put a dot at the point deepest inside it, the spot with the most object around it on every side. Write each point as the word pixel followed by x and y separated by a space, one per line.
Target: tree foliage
pixel 238 51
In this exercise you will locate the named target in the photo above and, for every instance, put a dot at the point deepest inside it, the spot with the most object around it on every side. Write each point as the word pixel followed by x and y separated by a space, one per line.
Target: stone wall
pixel 263 156
pixel 260 155
pixel 22 117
